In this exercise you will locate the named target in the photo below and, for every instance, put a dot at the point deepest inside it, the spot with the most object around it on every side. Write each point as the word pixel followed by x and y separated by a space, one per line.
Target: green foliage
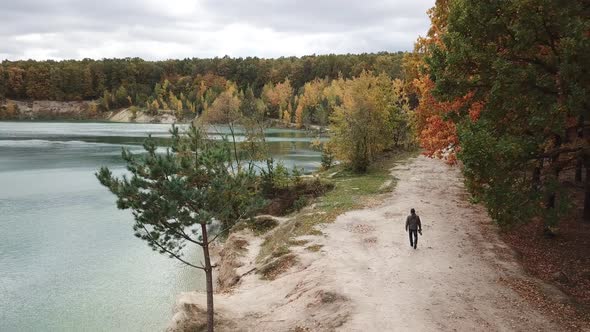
pixel 296 174
pixel 259 225
pixel 121 97
pixel 487 160
pixel 341 192
pixel 190 185
pixel 327 157
pixel 274 176
pixel 133 110
pixel 300 203
pixel 175 195
pixel 105 101
pixel 526 64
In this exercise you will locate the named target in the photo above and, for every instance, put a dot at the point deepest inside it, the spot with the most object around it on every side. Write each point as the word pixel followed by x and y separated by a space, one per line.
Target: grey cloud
pixel 315 16
pixel 155 29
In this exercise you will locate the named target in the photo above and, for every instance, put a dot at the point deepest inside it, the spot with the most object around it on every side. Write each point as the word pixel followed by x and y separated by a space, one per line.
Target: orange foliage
pixel 279 95
pixel 311 97
pixel 437 133
pixel 210 80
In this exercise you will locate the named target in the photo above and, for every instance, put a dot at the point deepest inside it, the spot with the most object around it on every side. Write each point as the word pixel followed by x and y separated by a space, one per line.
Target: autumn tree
pixel 309 106
pixel 38 84
pixel 121 98
pixel 373 111
pixel 226 107
pixel 524 80
pixel 10 110
pixel 436 131
pixel 16 82
pixel 277 97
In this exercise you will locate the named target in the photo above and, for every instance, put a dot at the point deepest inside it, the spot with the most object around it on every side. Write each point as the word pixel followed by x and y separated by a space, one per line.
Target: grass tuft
pixel 314 248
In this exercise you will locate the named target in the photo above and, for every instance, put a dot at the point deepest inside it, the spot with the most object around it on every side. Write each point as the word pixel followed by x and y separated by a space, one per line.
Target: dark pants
pixel 413 238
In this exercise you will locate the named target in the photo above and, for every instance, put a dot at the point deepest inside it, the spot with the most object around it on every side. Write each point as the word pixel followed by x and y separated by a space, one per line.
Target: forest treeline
pixel 188 85
pixel 504 87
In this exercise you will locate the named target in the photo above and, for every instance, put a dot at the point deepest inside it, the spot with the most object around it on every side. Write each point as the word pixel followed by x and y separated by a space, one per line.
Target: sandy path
pixel 445 284
pixel 367 278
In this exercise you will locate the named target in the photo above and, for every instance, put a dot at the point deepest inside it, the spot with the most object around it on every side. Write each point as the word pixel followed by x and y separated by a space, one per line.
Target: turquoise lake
pixel 68 257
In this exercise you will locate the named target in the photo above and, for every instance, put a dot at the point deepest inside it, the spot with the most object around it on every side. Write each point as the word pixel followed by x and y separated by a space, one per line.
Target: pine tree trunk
pixel 552 196
pixel 587 196
pixel 209 280
pixel 536 181
pixel 580 161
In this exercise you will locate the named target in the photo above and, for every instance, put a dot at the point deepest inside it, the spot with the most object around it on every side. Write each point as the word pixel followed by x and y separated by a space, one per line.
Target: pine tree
pixel 176 195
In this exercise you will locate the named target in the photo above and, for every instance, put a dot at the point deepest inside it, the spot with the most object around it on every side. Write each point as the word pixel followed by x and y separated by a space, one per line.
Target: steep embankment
pixel 126 115
pixel 76 110
pixel 366 277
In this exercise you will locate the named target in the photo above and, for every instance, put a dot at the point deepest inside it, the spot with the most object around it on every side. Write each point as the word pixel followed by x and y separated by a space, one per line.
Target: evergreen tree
pixel 176 195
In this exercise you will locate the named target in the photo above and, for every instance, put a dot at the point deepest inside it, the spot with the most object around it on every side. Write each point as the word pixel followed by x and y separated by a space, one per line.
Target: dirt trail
pixel 448 283
pixel 368 278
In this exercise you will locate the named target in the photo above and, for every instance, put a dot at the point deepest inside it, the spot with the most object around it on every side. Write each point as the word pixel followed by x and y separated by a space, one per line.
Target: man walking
pixel 414 225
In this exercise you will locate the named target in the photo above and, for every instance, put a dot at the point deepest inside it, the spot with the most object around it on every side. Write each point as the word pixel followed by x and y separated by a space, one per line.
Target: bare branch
pixel 225 230
pixel 168 251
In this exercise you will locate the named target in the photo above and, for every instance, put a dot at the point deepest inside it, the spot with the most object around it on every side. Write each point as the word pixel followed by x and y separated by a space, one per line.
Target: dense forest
pixel 508 95
pixel 188 85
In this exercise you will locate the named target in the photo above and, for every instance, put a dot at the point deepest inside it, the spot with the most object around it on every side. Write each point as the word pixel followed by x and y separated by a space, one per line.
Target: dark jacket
pixel 413 223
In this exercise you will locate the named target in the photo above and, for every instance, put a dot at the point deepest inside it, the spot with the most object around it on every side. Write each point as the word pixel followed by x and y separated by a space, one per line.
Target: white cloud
pixel 155 29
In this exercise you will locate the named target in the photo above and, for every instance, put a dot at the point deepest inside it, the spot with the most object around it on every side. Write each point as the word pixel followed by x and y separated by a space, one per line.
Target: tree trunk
pixel 552 196
pixel 209 280
pixel 537 176
pixel 580 161
pixel 587 196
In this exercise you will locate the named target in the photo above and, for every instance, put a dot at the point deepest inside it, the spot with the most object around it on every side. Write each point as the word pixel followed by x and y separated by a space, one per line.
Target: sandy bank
pixel 79 110
pixel 126 115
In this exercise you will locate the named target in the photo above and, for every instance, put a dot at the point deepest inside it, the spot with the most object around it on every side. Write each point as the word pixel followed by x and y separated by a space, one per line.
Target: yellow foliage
pixel 287 115
pixel 225 108
pixel 309 101
pixel 11 109
pixel 277 97
pixel 93 108
pixel 372 117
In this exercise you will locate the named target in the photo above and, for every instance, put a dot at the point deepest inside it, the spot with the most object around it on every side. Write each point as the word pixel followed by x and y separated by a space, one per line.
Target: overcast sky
pixel 161 29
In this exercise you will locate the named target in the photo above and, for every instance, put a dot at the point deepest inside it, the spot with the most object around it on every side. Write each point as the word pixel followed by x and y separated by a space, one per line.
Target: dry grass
pixel 314 248
pixel 298 243
pixel 273 269
pixel 258 226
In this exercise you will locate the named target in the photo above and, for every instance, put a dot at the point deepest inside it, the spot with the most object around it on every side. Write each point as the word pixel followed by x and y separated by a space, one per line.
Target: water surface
pixel 68 259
